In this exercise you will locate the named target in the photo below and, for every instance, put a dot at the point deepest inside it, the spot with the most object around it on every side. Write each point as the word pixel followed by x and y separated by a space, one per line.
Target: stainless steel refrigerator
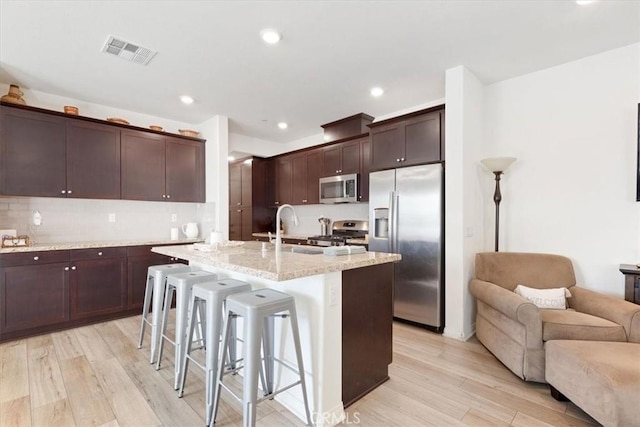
pixel 406 217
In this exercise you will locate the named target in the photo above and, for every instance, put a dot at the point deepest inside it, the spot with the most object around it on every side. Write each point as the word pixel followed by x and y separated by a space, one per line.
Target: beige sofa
pixel 515 330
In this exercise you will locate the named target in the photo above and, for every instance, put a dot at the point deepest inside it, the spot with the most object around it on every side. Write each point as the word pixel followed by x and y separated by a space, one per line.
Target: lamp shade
pixel 498 164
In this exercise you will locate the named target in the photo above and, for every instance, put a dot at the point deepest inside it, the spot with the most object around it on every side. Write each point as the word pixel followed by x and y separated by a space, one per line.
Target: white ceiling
pixel 331 54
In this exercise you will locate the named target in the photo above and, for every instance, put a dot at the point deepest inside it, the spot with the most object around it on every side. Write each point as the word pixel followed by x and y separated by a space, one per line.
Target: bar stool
pixel 181 283
pixel 210 296
pixel 154 290
pixel 258 309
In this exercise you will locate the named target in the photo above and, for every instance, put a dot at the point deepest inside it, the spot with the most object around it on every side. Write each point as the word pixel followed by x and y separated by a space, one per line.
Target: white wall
pixel 463 202
pixel 573 129
pixel 215 210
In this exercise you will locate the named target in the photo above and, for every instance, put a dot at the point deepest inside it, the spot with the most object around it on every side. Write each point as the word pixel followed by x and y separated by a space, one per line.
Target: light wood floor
pixel 95 376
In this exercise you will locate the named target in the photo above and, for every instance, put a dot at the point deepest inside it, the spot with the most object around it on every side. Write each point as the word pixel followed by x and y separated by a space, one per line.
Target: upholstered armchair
pixel 515 330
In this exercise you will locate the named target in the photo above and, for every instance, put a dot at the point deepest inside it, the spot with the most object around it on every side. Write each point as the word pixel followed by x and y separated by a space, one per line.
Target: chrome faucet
pixel 278 230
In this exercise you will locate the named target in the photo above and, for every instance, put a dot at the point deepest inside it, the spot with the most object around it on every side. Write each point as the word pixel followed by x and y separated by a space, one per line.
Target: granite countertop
pixel 93 244
pixel 248 258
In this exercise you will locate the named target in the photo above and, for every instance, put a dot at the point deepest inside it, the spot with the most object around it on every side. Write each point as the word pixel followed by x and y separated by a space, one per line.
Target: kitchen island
pixel 345 314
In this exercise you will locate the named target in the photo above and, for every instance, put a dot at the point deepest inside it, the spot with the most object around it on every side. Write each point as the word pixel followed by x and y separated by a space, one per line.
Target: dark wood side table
pixel 631 282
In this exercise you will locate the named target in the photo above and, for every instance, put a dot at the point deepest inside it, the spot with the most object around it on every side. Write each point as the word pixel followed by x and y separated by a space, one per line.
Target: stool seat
pixel 261 302
pixel 258 309
pixel 181 283
pixel 212 295
pixel 153 299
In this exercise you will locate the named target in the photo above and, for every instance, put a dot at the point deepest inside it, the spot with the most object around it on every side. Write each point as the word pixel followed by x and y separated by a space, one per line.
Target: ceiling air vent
pixel 129 51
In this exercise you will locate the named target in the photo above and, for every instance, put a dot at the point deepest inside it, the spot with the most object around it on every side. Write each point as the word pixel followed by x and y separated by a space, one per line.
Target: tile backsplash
pixel 77 220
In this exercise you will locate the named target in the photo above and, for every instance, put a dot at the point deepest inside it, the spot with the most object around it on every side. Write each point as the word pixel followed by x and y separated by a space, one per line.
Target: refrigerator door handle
pixel 396 223
pixel 392 221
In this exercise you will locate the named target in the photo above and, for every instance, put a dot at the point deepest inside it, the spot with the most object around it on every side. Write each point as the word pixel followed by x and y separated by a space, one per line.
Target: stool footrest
pixel 271 395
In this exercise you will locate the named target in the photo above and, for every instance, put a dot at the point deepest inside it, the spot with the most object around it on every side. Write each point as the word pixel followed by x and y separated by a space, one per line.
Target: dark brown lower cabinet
pixel 33 296
pixel 51 290
pixel 367 334
pixel 139 259
pixel 98 282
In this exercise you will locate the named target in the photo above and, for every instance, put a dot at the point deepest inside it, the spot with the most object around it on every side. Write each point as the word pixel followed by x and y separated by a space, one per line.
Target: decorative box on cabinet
pixel 407 140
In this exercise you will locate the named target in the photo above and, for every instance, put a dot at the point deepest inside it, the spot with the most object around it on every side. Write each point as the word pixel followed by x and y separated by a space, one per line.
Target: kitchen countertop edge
pixel 289 269
pixel 94 244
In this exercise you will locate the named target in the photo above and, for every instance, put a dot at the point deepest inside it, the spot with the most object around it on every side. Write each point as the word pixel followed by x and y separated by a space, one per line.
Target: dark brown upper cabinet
pixel 155 167
pixel 143 166
pixel 93 160
pixel 284 180
pixel 407 140
pixel 49 154
pixel 306 173
pixel 185 175
pixel 341 158
pixel 32 153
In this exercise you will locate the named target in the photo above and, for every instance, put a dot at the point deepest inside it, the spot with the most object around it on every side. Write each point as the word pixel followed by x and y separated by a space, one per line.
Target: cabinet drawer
pixel 33 258
pixel 98 253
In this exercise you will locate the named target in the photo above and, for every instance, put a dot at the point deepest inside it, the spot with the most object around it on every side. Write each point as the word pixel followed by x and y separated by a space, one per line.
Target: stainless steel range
pixel 341 231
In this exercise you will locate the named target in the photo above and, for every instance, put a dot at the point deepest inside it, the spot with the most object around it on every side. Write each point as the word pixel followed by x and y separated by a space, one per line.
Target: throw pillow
pixel 554 299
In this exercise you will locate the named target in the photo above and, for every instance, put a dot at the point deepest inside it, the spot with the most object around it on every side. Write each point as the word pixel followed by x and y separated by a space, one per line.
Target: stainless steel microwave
pixel 339 189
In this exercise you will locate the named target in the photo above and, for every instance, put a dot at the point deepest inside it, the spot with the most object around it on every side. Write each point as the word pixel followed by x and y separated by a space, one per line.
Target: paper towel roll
pixel 216 237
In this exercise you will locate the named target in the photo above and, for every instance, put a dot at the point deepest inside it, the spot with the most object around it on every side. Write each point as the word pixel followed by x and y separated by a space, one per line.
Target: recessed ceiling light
pixel 584 2
pixel 231 158
pixel 186 99
pixel 377 92
pixel 283 125
pixel 270 36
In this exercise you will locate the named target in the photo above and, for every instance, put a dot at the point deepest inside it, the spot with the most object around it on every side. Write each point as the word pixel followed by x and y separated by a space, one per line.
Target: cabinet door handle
pixel 402 159
pixel 168 196
pixel 69 191
pixel 304 200
pixel 238 203
pixel 239 210
pixel 99 253
pixel 63 192
pixel 397 160
pixel 73 268
pixel 164 196
pixel 66 269
pixel 35 258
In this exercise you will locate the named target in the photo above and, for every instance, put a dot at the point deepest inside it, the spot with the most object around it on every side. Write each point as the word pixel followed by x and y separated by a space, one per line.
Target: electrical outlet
pixel 174 217
pixel 112 217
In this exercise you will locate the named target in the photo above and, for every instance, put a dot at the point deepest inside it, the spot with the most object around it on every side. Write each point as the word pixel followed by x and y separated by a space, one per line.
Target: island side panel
pixel 367 329
pixel 319 321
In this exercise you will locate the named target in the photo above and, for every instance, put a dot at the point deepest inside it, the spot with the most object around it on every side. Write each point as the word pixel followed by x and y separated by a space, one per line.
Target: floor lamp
pixel 497 165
